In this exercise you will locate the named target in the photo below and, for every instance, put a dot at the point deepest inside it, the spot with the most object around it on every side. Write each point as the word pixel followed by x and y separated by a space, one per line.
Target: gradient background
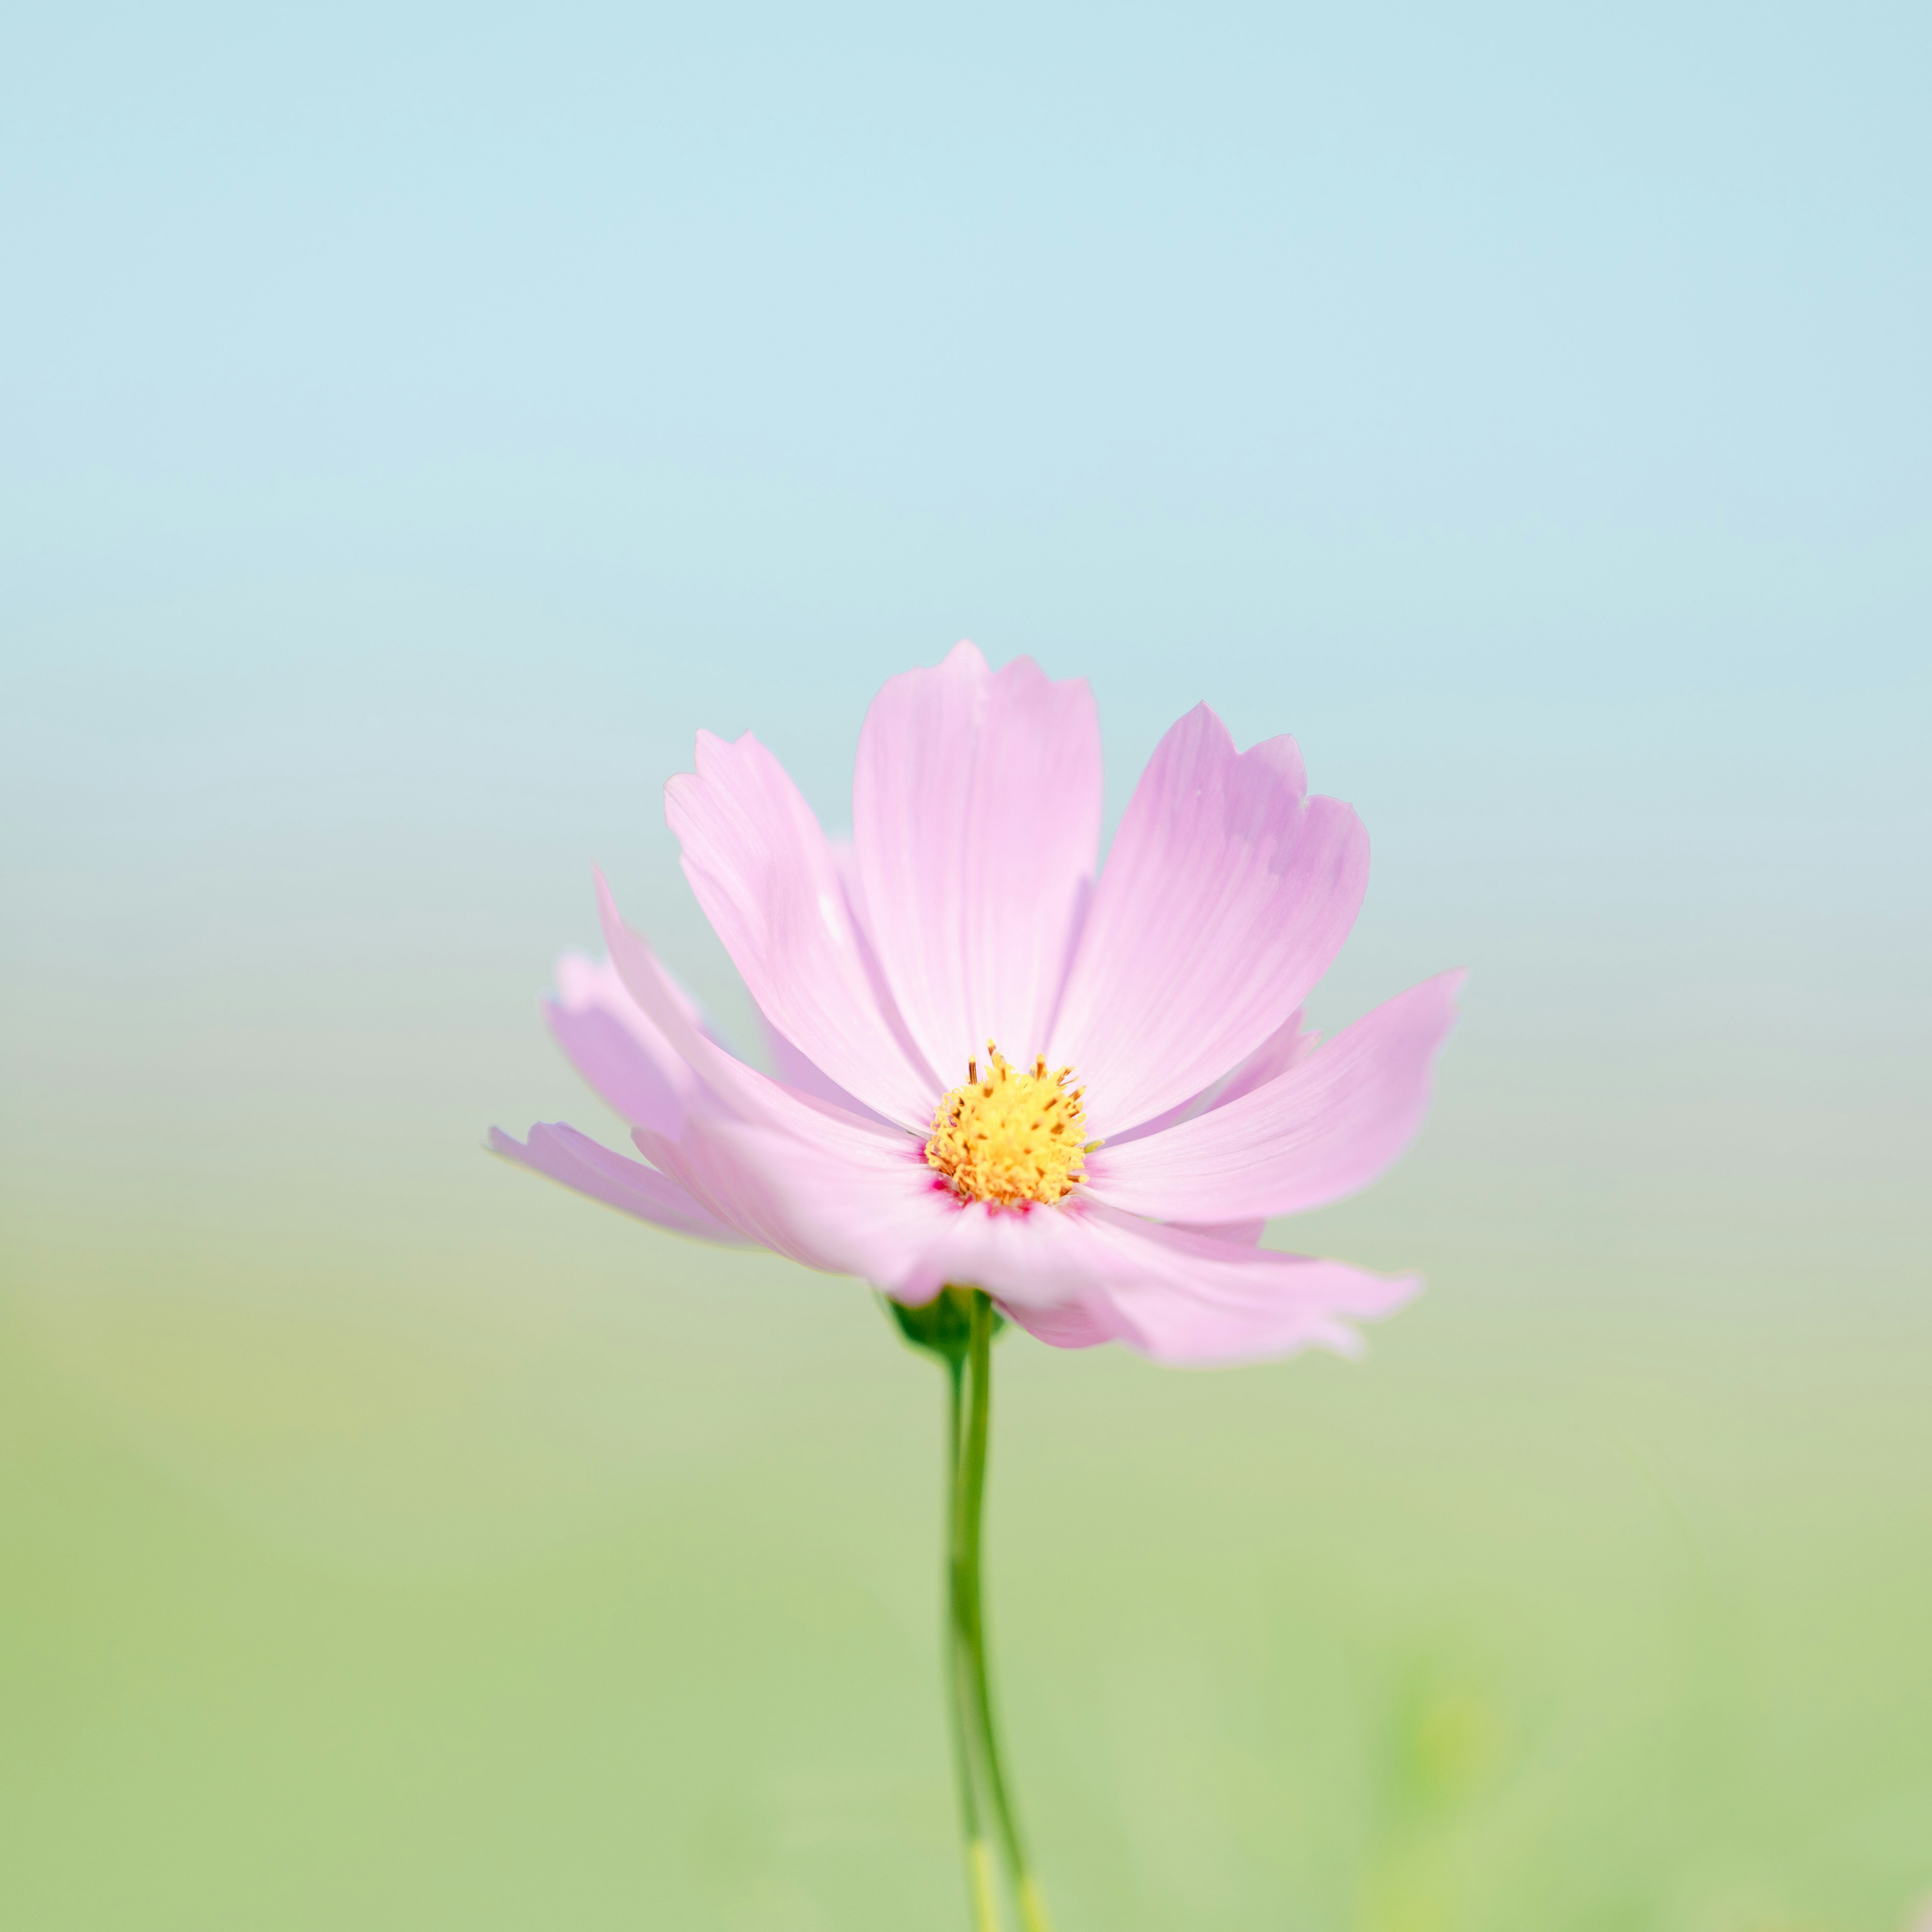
pixel 418 420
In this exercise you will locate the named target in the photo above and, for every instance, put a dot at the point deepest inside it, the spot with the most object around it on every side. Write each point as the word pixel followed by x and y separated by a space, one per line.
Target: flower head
pixel 1110 1179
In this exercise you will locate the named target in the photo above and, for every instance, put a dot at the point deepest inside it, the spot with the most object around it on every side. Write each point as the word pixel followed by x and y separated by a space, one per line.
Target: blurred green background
pixel 418 421
pixel 559 1578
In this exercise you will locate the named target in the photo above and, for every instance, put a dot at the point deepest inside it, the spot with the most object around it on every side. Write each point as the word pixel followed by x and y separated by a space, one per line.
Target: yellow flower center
pixel 1010 1137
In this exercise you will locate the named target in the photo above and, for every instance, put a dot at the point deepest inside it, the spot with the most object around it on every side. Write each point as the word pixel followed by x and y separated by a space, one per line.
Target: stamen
pixel 1003 1136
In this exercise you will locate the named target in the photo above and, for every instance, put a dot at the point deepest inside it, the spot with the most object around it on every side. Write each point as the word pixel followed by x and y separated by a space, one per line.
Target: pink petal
pixel 1225 898
pixel 853 1203
pixel 1074 1324
pixel 607 1036
pixel 1238 1233
pixel 560 1152
pixel 741 1090
pixel 846 861
pixel 976 808
pixel 765 875
pixel 795 1071
pixel 1287 1046
pixel 1188 1300
pixel 1312 1134
pixel 850 1201
pixel 843 1202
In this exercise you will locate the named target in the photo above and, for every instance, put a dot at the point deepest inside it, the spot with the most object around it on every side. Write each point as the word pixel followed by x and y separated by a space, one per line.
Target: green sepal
pixel 942 1327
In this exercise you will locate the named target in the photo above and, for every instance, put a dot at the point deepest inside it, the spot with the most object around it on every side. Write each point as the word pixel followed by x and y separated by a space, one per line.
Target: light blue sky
pixel 417 421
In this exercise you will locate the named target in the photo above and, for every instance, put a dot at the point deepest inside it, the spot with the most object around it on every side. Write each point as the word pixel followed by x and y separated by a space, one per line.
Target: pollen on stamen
pixel 1004 1135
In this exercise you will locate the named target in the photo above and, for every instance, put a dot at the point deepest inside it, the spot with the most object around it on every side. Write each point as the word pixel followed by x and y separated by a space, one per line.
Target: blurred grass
pixel 566 1576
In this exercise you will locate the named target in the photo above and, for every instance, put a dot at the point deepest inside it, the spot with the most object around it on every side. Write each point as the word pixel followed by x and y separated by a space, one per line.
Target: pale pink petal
pixel 608 1039
pixel 1240 1233
pixel 846 861
pixel 560 1152
pixel 1189 1299
pixel 1077 1276
pixel 975 807
pixel 1074 1324
pixel 1226 895
pixel 740 1090
pixel 764 874
pixel 839 1198
pixel 855 1203
pixel 1311 1135
pixel 843 1202
pixel 795 1071
pixel 1287 1046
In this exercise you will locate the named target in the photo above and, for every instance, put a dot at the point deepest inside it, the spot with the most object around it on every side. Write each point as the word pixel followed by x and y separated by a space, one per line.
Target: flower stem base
pixel 958 1327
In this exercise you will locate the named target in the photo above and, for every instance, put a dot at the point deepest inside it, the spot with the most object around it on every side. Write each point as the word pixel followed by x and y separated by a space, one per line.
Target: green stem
pixel 957 1328
pixel 980 1890
pixel 969 1467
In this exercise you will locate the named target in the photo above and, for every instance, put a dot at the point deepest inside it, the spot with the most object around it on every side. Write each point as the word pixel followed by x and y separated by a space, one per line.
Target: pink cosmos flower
pixel 1082 1093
